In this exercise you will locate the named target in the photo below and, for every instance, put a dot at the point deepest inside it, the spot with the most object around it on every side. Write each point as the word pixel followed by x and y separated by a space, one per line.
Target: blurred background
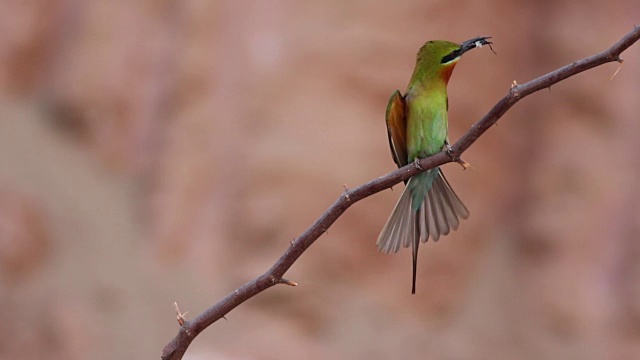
pixel 161 151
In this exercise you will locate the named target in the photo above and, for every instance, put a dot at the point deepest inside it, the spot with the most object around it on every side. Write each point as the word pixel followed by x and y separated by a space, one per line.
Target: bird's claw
pixel 416 163
pixel 449 150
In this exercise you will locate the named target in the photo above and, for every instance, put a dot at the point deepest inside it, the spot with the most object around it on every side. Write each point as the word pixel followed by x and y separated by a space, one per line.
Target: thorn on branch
pixel 275 280
pixel 346 192
pixel 180 315
pixel 449 150
pixel 465 165
pixel 287 282
pixel 514 89
pixel 619 67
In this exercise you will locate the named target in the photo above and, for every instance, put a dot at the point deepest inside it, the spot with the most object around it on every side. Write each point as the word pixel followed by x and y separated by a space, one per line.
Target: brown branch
pixel 190 329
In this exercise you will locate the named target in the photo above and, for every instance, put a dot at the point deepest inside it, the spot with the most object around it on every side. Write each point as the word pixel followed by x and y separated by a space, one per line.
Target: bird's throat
pixel 447 70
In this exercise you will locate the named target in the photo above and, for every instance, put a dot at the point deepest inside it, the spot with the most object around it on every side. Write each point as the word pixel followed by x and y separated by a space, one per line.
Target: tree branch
pixel 190 329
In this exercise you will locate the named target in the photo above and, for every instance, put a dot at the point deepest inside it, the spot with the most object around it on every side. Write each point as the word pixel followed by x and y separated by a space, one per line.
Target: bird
pixel 417 127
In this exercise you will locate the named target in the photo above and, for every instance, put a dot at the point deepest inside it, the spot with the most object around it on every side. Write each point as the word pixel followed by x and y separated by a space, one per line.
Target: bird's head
pixel 442 56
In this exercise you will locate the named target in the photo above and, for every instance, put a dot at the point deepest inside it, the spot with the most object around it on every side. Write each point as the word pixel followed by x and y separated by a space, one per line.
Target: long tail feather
pixel 438 212
pixel 416 244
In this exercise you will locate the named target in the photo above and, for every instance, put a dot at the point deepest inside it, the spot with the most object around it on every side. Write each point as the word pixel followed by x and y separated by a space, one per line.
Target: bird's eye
pixel 450 57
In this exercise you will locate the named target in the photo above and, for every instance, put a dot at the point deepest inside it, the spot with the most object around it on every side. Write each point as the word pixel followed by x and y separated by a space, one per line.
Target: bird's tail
pixel 427 208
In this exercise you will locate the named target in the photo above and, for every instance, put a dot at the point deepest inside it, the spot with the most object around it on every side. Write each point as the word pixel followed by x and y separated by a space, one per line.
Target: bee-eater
pixel 417 126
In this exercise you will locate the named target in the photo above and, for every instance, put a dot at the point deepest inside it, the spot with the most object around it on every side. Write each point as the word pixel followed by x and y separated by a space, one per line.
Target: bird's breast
pixel 426 125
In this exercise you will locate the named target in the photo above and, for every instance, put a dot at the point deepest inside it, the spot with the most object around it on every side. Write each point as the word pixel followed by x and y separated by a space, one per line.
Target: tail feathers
pixel 443 210
pixel 400 229
pixel 438 214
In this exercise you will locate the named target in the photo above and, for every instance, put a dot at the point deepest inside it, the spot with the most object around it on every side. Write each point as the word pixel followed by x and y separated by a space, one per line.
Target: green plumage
pixel 417 126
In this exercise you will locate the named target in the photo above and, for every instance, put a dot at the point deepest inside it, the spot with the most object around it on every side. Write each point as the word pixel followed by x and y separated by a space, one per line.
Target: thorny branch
pixel 190 329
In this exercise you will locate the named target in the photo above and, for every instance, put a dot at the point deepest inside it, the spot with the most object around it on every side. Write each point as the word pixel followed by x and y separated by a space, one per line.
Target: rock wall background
pixel 161 151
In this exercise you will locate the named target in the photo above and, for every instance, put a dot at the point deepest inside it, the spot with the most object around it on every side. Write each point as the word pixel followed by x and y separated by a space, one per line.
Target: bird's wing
pixel 397 128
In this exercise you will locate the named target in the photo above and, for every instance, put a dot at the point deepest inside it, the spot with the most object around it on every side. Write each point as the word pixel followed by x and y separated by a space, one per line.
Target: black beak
pixel 474 43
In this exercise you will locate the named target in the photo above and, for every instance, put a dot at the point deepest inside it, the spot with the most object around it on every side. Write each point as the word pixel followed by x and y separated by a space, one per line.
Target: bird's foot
pixel 449 150
pixel 416 163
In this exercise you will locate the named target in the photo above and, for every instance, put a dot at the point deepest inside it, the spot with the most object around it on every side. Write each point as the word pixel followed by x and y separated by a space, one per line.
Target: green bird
pixel 417 127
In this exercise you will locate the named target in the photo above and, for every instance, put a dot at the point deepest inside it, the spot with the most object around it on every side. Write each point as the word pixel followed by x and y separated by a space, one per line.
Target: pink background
pixel 161 151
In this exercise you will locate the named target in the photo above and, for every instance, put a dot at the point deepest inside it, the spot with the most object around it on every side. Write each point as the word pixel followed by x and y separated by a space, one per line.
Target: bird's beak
pixel 474 43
